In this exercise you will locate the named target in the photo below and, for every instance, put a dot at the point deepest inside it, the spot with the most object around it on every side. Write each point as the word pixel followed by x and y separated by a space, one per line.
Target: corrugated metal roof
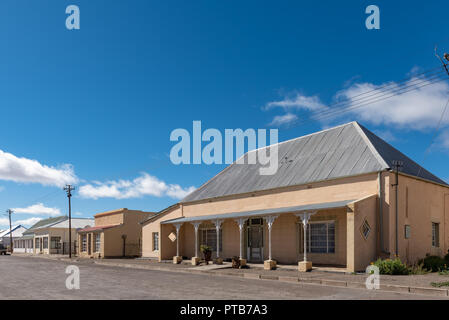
pixel 89 229
pixel 75 223
pixel 263 212
pixel 345 150
pixel 45 223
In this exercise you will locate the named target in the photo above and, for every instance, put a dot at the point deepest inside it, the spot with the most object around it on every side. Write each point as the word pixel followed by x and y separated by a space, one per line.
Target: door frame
pixel 249 225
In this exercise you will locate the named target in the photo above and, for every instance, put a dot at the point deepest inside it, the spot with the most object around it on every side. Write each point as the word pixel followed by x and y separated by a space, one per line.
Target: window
pixel 97 242
pixel 407 231
pixel 366 229
pixel 55 243
pixel 435 234
pixel 208 237
pixel 83 243
pixel 155 241
pixel 321 237
pixel 37 243
pixel 45 244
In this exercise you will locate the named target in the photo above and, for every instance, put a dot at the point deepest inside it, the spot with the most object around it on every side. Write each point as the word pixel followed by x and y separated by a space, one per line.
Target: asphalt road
pixel 37 278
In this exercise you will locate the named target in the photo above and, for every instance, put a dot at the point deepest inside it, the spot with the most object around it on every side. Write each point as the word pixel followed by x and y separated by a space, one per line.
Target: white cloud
pixel 4 222
pixel 418 109
pixel 285 119
pixel 144 185
pixel 25 222
pixel 38 209
pixel 297 101
pixel 17 169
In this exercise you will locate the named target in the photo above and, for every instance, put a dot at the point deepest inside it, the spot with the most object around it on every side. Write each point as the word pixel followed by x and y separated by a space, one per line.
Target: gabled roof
pixel 45 223
pixel 15 231
pixel 346 150
pixel 76 223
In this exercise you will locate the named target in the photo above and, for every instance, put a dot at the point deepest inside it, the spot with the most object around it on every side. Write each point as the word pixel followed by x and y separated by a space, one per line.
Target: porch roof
pixel 263 212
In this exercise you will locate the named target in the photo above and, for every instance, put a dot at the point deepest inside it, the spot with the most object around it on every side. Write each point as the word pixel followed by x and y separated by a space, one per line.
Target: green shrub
pixel 418 269
pixel 446 257
pixel 205 249
pixel 393 267
pixel 433 263
pixel 440 284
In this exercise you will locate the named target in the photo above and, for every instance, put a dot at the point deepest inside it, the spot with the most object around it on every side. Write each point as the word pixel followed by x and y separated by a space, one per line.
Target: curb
pixel 314 281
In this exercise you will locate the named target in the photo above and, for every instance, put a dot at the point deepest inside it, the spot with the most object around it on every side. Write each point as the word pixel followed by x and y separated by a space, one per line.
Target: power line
pixel 446 56
pixel 349 106
pixel 378 94
pixel 385 87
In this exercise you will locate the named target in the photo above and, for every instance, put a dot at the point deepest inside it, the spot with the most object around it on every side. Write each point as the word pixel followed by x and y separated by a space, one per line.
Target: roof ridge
pixel 372 148
pixel 274 144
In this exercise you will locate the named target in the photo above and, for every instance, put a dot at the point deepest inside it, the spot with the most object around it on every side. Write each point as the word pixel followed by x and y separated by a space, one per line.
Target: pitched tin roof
pixel 44 223
pixel 346 150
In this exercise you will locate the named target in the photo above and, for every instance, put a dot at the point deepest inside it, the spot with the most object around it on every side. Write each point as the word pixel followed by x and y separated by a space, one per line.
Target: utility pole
pixel 69 188
pixel 397 164
pixel 9 211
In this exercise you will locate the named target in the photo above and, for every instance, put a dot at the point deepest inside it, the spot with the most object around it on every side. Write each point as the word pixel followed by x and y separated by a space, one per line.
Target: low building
pixel 5 235
pixel 332 201
pixel 51 236
pixel 115 233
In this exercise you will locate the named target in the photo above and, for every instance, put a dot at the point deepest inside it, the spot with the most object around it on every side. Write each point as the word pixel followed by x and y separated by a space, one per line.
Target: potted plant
pixel 207 252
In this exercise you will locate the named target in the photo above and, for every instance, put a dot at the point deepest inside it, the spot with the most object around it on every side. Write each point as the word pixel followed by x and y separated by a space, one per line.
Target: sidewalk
pixel 419 284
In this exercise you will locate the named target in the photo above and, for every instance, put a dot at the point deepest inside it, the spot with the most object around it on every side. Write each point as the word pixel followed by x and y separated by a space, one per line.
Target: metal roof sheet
pixel 342 151
pixel 263 212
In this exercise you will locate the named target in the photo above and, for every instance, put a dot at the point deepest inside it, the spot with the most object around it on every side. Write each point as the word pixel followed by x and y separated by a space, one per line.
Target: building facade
pixel 6 235
pixel 116 233
pixel 51 236
pixel 332 201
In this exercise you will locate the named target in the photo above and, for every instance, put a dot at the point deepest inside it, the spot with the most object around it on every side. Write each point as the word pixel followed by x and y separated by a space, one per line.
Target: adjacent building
pixel 5 235
pixel 51 236
pixel 334 200
pixel 116 233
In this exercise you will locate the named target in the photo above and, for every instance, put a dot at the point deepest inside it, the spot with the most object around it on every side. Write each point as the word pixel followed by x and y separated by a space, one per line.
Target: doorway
pixel 255 240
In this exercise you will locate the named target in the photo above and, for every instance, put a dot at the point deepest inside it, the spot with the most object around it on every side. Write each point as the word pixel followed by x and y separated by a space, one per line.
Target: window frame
pixel 435 234
pixel 309 236
pixel 84 243
pixel 55 243
pixel 210 229
pixel 97 242
pixel 45 243
pixel 155 241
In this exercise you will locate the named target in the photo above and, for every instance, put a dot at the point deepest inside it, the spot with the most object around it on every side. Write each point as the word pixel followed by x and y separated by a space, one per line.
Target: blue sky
pixel 96 106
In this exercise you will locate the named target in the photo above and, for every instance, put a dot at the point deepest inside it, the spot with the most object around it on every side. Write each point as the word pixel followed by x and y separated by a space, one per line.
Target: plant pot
pixel 235 262
pixel 207 256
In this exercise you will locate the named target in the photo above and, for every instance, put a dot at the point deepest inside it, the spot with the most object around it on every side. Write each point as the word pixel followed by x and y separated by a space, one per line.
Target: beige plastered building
pixel 333 196
pixel 116 233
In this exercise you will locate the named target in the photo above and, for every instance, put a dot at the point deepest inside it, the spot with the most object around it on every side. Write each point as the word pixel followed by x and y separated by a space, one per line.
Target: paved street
pixel 37 278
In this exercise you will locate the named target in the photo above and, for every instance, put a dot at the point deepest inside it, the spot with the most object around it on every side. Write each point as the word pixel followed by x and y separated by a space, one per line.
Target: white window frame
pixel 155 239
pixel 97 242
pixel 326 222
pixel 84 243
pixel 435 235
pixel 211 229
